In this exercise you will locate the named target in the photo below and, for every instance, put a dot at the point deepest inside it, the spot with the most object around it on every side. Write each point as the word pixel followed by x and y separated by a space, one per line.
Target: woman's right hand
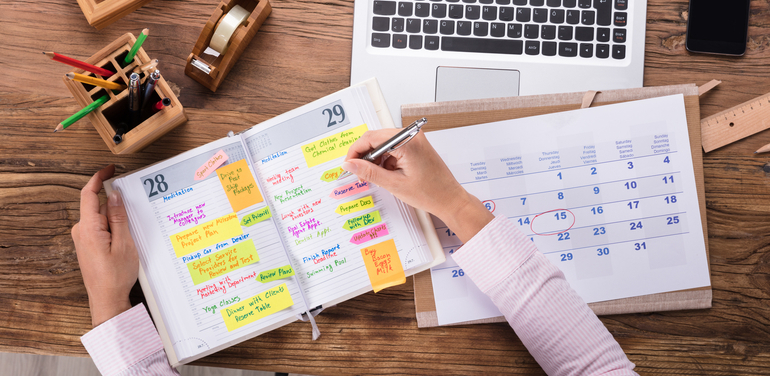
pixel 418 176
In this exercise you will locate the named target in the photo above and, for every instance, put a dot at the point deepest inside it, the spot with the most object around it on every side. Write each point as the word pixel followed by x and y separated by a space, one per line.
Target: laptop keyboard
pixel 568 28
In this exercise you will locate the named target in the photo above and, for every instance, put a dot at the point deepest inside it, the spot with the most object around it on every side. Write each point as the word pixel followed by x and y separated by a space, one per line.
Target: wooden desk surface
pixel 302 53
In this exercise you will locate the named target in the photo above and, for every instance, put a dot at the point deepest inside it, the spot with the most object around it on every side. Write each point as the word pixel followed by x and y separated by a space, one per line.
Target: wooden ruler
pixel 736 123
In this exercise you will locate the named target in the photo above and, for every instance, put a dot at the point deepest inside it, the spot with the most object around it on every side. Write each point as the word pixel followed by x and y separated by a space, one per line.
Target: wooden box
pixel 211 73
pixel 100 13
pixel 112 115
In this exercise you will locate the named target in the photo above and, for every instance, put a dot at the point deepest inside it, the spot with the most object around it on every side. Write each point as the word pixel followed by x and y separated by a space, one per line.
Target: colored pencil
pixel 139 40
pixel 95 81
pixel 763 149
pixel 79 115
pixel 79 64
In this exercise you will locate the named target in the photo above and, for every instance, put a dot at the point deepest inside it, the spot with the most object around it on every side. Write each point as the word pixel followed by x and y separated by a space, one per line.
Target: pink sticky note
pixel 212 164
pixel 370 234
pixel 349 190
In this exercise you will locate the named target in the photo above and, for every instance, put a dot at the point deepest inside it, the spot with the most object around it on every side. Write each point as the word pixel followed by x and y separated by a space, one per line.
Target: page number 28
pixel 162 185
pixel 335 112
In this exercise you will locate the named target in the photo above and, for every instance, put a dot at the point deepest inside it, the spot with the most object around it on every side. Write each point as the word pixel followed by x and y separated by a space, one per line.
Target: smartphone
pixel 718 27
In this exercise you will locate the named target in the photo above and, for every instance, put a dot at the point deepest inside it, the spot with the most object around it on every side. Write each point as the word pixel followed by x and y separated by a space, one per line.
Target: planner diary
pixel 253 231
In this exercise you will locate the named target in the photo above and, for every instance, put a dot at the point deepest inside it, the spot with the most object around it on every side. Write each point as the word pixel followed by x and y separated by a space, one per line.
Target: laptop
pixel 443 50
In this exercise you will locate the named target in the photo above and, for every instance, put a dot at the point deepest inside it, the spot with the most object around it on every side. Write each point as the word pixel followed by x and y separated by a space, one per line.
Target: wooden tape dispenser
pixel 223 39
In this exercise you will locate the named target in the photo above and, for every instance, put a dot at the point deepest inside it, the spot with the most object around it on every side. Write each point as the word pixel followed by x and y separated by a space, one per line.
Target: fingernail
pixel 349 167
pixel 114 199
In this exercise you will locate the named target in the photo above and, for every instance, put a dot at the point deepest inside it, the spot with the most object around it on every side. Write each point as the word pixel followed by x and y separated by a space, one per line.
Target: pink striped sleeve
pixel 128 344
pixel 553 322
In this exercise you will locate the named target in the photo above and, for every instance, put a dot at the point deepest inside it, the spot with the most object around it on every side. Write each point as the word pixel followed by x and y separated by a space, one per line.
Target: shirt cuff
pixel 122 341
pixel 495 252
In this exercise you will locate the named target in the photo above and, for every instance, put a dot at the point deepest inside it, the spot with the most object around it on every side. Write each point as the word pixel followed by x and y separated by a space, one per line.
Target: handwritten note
pixel 223 262
pixel 349 190
pixel 257 307
pixel 355 205
pixel 383 265
pixel 362 220
pixel 239 185
pixel 212 164
pixel 332 175
pixel 256 217
pixel 370 234
pixel 277 273
pixel 331 147
pixel 205 234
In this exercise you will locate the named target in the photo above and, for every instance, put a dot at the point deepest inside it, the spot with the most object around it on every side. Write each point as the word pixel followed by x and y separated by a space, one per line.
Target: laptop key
pixel 569 4
pixel 620 19
pixel 430 26
pixel 557 16
pixel 405 9
pixel 380 23
pixel 621 4
pixel 384 8
pixel 553 3
pixel 584 34
pixel 415 42
pixel 603 34
pixel 447 27
pixel 565 32
pixel 506 14
pixel 603 12
pixel 585 4
pixel 523 14
pixel 438 10
pixel 573 17
pixel 531 31
pixel 486 1
pixel 568 49
pixel 540 15
pixel 619 35
pixel 380 40
pixel 532 47
pixel 399 40
pixel 463 27
pixel 514 30
pixel 588 17
pixel 549 48
pixel 469 1
pixel 472 12
pixel 519 2
pixel 412 25
pixel 397 25
pixel 489 13
pixel 497 29
pixel 503 2
pixel 586 50
pixel 497 46
pixel 548 32
pixel 480 29
pixel 431 42
pixel 536 3
pixel 456 11
pixel 618 51
pixel 602 51
pixel 421 9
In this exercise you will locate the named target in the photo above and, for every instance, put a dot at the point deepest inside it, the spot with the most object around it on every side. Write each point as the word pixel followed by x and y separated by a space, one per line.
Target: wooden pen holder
pixel 100 13
pixel 114 115
pixel 210 72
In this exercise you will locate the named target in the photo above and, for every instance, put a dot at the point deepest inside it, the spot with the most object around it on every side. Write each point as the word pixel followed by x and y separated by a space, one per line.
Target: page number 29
pixel 335 112
pixel 162 185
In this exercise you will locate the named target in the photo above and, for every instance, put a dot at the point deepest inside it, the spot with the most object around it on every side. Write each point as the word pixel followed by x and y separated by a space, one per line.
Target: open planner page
pixel 210 249
pixel 345 237
pixel 607 194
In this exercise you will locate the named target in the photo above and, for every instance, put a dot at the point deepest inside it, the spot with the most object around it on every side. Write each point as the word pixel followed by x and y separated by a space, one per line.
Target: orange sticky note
pixel 383 265
pixel 239 185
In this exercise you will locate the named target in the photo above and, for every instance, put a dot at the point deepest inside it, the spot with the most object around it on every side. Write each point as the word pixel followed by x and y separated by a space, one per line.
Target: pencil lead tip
pixel 55 130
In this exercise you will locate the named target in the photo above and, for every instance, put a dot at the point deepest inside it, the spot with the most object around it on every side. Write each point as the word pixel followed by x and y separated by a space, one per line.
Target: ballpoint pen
pixel 395 142
pixel 134 98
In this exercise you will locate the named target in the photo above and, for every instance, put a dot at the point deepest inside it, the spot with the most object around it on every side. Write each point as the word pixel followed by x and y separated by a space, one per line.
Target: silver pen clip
pixel 402 143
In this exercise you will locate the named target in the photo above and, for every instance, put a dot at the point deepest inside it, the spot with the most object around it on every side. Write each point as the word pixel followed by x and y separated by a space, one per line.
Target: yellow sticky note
pixel 355 205
pixel 332 147
pixel 383 265
pixel 239 185
pixel 257 307
pixel 223 262
pixel 206 234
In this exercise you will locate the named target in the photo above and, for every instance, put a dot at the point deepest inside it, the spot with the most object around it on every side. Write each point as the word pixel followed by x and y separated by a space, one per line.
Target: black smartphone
pixel 718 27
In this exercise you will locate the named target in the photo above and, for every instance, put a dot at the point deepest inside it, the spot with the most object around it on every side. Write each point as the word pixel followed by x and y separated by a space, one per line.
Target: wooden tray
pixel 100 13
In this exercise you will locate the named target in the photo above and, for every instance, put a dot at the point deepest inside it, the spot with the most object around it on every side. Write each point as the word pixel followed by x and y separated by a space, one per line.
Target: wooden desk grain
pixel 302 53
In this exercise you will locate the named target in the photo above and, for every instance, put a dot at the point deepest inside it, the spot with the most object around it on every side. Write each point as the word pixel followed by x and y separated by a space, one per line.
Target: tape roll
pixel 227 25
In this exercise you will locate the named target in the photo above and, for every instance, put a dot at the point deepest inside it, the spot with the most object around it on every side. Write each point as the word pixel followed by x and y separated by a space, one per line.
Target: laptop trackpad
pixel 453 83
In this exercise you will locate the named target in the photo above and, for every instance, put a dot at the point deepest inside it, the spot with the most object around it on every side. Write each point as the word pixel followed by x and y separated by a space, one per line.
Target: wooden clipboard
pixel 444 115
